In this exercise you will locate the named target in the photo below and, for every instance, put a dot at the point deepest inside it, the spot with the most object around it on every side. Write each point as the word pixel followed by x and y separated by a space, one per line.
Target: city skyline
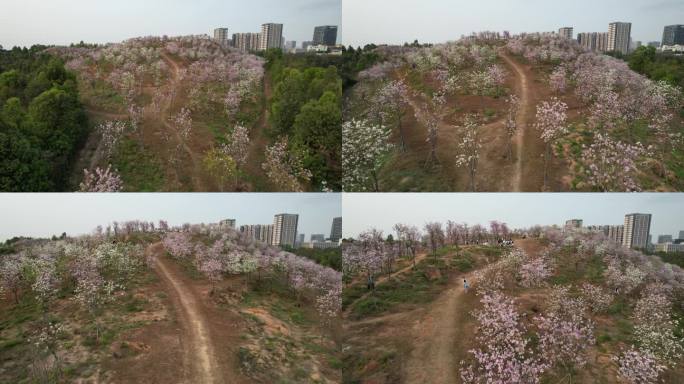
pixel 45 215
pixel 62 22
pixel 517 210
pixel 438 21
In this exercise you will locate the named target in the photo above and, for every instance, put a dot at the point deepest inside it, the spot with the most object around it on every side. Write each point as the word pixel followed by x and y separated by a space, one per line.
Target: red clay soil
pixel 197 345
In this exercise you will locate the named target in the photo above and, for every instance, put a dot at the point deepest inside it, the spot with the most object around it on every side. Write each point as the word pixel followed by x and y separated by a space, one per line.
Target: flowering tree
pixel 435 235
pixel 654 326
pixel 111 132
pixel 221 165
pixel 390 103
pixel 597 298
pixel 533 272
pixel 365 149
pixel 639 367
pixel 469 148
pixel 409 236
pixel 551 123
pixel 611 166
pixel 558 79
pixel 285 169
pixel 504 355
pixel 564 340
pixel 101 180
pixel 511 123
pixel 11 275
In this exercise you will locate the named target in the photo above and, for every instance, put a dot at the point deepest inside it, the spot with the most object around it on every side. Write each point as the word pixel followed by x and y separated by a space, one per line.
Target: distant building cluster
pixel 271 36
pixel 284 232
pixel 635 233
pixel 619 39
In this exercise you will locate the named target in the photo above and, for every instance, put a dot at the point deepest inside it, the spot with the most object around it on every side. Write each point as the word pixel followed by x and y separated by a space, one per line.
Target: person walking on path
pixel 465 285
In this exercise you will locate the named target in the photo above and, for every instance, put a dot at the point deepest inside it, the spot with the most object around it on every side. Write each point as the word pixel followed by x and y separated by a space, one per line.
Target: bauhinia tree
pixel 365 150
pixel 101 180
pixel 552 125
pixel 284 168
pixel 390 104
pixel 511 123
pixel 435 236
pixel 611 165
pixel 409 236
pixel 238 149
pixel 469 148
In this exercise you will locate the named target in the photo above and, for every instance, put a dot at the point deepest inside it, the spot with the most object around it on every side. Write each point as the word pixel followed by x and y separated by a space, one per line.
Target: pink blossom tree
pixel 284 168
pixel 365 149
pixel 469 148
pixel 101 180
pixel 552 125
pixel 611 166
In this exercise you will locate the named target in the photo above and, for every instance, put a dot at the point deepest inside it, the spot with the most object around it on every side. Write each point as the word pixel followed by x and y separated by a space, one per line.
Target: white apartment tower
pixel 336 230
pixel 637 230
pixel 246 41
pixel 271 36
pixel 619 37
pixel 284 230
pixel 221 36
pixel 566 32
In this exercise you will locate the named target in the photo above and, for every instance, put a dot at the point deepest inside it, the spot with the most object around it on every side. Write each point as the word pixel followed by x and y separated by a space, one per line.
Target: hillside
pixel 186 114
pixel 527 114
pixel 561 307
pixel 139 302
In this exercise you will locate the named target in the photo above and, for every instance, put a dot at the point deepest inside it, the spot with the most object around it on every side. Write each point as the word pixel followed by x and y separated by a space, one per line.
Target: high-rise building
pixel 228 223
pixel 285 229
pixel 290 45
pixel 325 35
pixel 259 232
pixel 673 35
pixel 221 36
pixel 615 233
pixel 271 36
pixel 588 40
pixel 681 235
pixel 637 230
pixel 574 223
pixel 662 239
pixel 619 37
pixel 602 41
pixel 566 32
pixel 300 238
pixel 246 41
pixel 318 238
pixel 336 230
pixel 654 44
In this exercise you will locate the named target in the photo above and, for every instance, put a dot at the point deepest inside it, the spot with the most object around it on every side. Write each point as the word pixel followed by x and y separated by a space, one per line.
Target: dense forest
pixel 42 122
pixel 306 106
pixel 657 66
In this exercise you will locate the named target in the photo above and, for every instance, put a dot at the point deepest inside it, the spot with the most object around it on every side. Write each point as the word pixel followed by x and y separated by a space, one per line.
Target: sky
pixel 61 22
pixel 435 21
pixel 44 215
pixel 363 211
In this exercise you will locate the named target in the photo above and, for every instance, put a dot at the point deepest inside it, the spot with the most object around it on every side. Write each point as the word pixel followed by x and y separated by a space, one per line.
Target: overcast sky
pixel 28 22
pixel 43 215
pixel 399 21
pixel 382 211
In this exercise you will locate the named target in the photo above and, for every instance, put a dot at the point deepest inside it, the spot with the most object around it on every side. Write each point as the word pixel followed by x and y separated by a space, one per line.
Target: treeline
pixel 42 122
pixel 306 107
pixel 657 66
pixel 331 258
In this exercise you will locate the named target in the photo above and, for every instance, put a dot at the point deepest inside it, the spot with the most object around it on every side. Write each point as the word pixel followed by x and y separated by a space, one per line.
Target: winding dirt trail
pixel 164 116
pixel 436 335
pixel 199 358
pixel 521 119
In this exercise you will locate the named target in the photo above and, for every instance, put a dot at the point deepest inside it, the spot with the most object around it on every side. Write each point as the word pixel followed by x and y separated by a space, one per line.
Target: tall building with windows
pixel 662 239
pixel 228 223
pixel 681 235
pixel 271 36
pixel 619 37
pixel 325 35
pixel 259 232
pixel 637 230
pixel 221 36
pixel 566 32
pixel 673 35
pixel 588 40
pixel 602 41
pixel 615 233
pixel 318 238
pixel 336 230
pixel 285 229
pixel 246 41
pixel 574 223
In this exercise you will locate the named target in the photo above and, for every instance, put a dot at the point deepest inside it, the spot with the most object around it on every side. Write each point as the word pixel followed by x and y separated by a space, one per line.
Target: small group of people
pixel 505 243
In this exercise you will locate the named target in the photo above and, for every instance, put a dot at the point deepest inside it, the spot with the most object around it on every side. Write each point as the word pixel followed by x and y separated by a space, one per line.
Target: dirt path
pixel 199 360
pixel 258 139
pixel 164 115
pixel 433 358
pixel 522 119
